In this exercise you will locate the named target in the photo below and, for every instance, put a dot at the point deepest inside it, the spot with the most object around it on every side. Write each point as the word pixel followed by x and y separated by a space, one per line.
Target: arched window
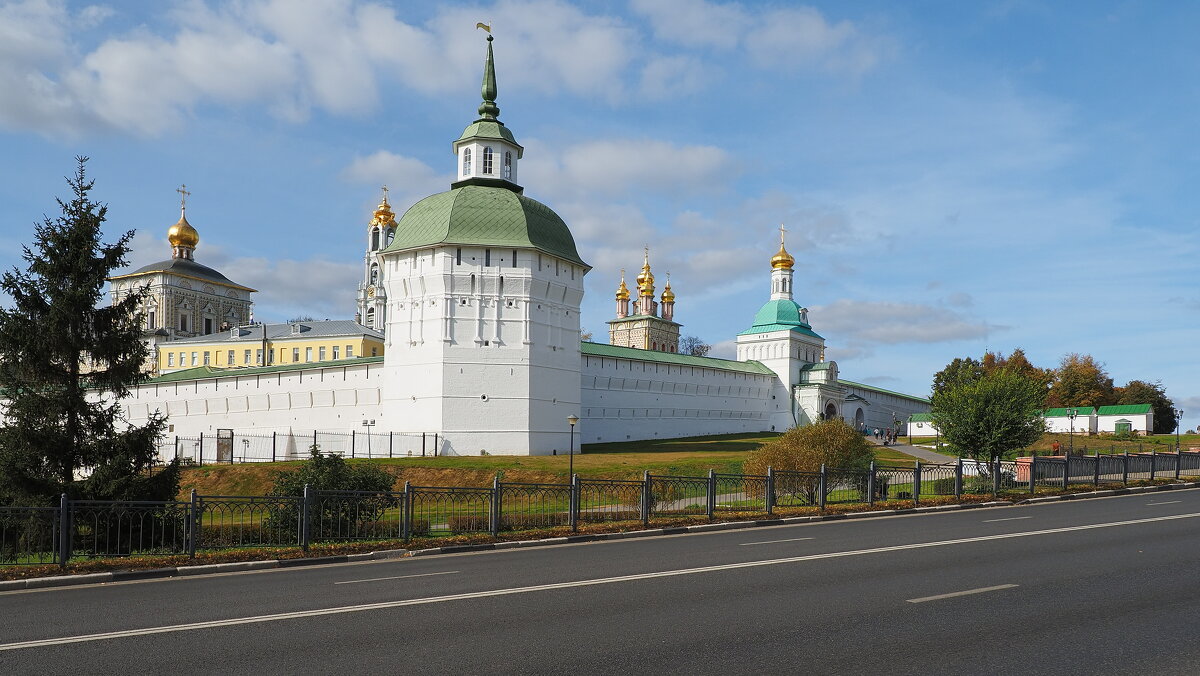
pixel 374 239
pixel 487 160
pixel 507 164
pixel 374 273
pixel 466 162
pixel 391 235
pixel 371 317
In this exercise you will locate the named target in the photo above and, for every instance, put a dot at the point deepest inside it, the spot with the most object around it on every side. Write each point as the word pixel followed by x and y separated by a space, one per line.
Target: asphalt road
pixel 1105 586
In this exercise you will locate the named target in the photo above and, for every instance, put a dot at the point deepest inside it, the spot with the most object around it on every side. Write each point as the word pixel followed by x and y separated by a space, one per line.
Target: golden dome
pixel 183 234
pixel 383 212
pixel 622 291
pixel 668 296
pixel 646 278
pixel 782 259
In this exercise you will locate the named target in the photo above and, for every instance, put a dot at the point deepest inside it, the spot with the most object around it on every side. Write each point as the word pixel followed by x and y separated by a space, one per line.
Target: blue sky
pixel 953 176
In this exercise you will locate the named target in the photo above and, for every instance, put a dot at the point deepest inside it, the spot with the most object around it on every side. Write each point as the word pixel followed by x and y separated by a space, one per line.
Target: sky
pixel 954 177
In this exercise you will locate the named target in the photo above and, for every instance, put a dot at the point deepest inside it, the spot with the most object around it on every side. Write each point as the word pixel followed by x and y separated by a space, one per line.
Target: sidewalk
pixel 922 454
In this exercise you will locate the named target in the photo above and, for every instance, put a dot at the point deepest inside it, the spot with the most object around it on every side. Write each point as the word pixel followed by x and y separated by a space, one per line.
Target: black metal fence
pixel 212 449
pixel 88 529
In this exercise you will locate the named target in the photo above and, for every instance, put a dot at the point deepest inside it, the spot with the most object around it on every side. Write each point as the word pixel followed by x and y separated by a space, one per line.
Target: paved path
pixel 922 454
pixel 875 596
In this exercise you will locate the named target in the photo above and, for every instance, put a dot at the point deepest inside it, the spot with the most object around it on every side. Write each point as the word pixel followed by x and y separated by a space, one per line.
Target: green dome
pixel 484 216
pixel 488 129
pixel 780 315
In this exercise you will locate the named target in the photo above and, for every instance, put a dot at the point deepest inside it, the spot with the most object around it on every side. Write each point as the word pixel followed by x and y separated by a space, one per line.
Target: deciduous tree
pixel 991 417
pixel 693 346
pixel 1081 381
pixel 961 371
pixel 1142 392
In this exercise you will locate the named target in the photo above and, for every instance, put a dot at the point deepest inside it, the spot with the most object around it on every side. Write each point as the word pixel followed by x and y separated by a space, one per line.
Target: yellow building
pixel 290 343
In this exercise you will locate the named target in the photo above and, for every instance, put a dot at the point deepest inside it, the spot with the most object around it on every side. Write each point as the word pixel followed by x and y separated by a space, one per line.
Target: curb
pixel 238 566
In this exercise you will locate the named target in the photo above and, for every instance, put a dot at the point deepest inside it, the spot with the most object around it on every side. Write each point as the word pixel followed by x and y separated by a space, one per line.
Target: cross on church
pixel 782 230
pixel 385 193
pixel 183 195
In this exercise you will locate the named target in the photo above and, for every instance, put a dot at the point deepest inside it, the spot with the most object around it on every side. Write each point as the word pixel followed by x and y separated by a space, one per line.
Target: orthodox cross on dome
pixel 782 232
pixel 183 195
pixel 384 188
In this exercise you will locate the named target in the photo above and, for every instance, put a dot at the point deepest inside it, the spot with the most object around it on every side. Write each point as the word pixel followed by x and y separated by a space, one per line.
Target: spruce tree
pixel 66 359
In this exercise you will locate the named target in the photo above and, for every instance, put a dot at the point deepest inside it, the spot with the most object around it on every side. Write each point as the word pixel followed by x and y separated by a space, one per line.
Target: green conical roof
pixel 780 315
pixel 480 215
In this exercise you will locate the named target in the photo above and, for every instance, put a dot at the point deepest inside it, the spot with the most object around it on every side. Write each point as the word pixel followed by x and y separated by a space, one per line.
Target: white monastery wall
pixel 632 399
pixel 1084 424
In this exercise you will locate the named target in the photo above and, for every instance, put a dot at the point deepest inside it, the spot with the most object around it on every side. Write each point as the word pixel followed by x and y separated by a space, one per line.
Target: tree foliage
pixel 1081 381
pixel 329 472
pixel 1018 363
pixel 992 417
pixel 65 361
pixel 1141 392
pixel 693 346
pixel 833 443
pixel 961 371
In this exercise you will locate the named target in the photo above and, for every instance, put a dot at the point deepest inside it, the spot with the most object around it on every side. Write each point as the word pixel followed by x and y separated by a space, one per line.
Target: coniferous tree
pixel 65 361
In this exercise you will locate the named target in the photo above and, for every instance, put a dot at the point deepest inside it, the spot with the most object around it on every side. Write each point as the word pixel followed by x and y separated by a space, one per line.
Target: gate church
pixel 478 291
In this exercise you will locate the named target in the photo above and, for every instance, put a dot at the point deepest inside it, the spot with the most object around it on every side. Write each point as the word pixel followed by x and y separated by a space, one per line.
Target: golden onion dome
pixel 622 290
pixel 383 213
pixel 782 259
pixel 668 296
pixel 645 276
pixel 183 234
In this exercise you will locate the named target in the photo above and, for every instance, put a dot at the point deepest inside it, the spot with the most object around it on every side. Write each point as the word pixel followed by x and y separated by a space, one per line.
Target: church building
pixel 477 291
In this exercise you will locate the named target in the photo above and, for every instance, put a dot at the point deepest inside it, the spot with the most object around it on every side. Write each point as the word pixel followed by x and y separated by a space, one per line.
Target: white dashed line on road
pixel 397 577
pixel 967 592
pixel 1011 518
pixel 771 542
pixel 1167 502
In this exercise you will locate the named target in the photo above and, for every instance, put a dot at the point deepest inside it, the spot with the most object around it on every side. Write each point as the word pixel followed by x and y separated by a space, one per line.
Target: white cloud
pixel 616 167
pixel 408 178
pixel 874 322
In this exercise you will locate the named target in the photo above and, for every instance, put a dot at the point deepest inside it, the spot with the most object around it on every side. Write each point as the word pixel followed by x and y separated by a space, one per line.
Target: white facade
pixel 1138 423
pixel 1084 423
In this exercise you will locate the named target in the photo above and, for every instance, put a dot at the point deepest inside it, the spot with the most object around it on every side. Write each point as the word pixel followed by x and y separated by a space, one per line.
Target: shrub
pixel 943 486
pixel 832 443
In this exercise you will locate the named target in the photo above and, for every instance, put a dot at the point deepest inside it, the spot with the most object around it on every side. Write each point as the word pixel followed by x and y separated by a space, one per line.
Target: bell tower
pixel 372 295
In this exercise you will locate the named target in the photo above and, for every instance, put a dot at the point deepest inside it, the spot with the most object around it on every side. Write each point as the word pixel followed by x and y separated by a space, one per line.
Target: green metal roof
pixel 872 388
pixel 821 366
pixel 1126 409
pixel 920 417
pixel 630 318
pixel 780 315
pixel 484 216
pixel 590 349
pixel 206 372
pixel 489 129
pixel 1064 412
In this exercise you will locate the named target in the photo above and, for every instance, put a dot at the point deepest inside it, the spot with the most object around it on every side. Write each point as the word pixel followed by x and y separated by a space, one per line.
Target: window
pixel 391 235
pixel 507 164
pixel 206 358
pixel 349 352
pixel 308 354
pixel 374 239
pixel 170 359
pixel 150 320
pixel 230 359
pixel 195 359
pixel 487 160
pixel 295 354
pixel 320 354
pixel 466 162
pixel 487 256
pixel 270 356
pixel 207 325
pixel 374 351
pixel 335 352
pixel 458 256
pixel 374 273
pixel 246 357
pixel 514 262
pixel 371 317
pixel 183 322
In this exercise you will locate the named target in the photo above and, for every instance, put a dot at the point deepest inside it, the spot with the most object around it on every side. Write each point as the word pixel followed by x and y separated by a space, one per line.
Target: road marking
pixel 173 628
pixel 1011 518
pixel 967 592
pixel 771 542
pixel 397 577
pixel 1168 502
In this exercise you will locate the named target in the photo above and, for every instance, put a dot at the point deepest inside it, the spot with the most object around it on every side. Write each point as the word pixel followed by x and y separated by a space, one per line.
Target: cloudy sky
pixel 954 176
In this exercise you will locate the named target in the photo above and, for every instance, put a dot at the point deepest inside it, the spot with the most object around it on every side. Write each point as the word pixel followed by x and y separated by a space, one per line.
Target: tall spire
pixel 488 110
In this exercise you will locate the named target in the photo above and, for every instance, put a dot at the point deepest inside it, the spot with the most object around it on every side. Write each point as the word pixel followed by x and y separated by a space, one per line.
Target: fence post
pixel 574 503
pixel 435 444
pixel 273 446
pixel 1096 483
pixel 1125 468
pixel 497 505
pixel 996 477
pixel 1066 470
pixel 315 439
pixel 1153 462
pixel 407 516
pixel 193 524
pixel 1032 474
pixel 422 444
pixel 710 492
pixel 304 534
pixel 770 498
pixel 176 446
pixel 391 437
pixel 64 530
pixel 958 479
pixel 646 497
pixel 200 451
pixel 821 483
pixel 871 485
pixel 916 487
pixel 352 442
pixel 1178 462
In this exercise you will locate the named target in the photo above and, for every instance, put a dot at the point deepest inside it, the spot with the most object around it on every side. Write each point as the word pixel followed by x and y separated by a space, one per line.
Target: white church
pixel 478 291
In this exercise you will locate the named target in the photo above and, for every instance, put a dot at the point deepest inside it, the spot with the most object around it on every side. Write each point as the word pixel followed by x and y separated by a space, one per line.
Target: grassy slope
pixel 692 456
pixel 1104 443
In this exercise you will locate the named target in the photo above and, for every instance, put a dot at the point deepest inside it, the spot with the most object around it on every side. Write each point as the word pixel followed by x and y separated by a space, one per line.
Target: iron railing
pixel 208 449
pixel 86 529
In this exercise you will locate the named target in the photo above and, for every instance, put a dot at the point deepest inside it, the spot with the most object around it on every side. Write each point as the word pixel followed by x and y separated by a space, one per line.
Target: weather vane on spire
pixel 484 26
pixel 183 195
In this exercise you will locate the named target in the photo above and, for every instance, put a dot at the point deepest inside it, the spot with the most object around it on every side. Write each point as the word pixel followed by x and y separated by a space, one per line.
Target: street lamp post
pixel 1071 413
pixel 367 424
pixel 895 426
pixel 571 420
pixel 1178 420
